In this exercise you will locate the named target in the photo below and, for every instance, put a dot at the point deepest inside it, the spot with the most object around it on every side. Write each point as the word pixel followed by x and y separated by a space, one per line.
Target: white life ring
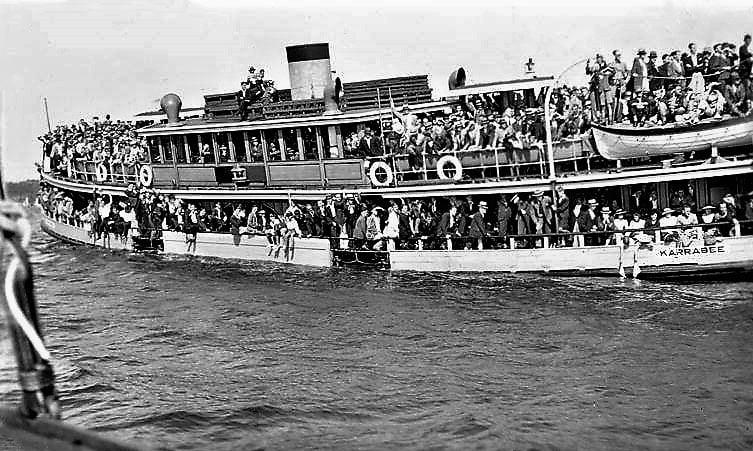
pixel 102 173
pixel 457 167
pixel 377 165
pixel 146 175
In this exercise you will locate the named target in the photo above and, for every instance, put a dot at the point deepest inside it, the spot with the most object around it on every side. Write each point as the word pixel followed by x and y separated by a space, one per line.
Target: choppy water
pixel 198 354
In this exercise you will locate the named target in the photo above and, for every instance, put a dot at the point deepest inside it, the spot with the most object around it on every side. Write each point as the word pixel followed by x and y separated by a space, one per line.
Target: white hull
pixel 302 251
pixel 726 255
pixel 616 143
pixel 729 254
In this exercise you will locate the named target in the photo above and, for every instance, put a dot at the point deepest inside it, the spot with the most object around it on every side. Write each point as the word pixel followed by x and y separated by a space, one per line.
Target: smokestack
pixel 309 69
pixel 171 104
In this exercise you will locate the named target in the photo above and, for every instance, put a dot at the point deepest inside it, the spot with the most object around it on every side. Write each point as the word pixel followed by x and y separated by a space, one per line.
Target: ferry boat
pixel 293 150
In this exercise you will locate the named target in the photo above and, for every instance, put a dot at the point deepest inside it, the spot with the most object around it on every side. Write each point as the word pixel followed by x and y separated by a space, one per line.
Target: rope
pixel 17 232
pixel 18 314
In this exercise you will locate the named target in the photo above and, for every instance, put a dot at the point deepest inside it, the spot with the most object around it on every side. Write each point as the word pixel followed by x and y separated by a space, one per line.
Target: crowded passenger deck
pixel 519 165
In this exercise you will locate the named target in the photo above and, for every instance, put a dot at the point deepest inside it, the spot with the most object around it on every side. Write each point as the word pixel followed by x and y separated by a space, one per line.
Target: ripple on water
pixel 196 353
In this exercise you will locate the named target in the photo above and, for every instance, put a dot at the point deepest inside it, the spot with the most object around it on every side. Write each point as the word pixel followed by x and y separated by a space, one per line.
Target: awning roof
pixel 501 86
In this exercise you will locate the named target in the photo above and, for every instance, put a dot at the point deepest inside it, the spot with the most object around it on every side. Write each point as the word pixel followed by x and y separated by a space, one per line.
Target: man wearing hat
pixel 477 228
pixel 537 212
pixel 587 222
pixel 604 223
pixel 640 72
pixel 563 210
pixel 654 72
pixel 504 214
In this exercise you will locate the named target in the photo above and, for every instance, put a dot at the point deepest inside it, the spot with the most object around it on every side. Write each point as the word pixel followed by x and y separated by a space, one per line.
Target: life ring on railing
pixel 449 159
pixel 146 175
pixel 375 178
pixel 102 173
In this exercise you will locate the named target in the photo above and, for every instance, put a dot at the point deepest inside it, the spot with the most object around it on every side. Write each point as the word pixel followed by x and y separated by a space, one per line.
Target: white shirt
pixel 620 224
pixel 128 217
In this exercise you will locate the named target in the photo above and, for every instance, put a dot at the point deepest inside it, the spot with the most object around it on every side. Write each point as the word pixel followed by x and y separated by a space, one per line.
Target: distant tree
pixel 20 190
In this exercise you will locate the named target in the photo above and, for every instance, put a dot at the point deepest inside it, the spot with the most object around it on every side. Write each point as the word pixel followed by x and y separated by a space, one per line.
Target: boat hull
pixel 728 255
pixel 732 255
pixel 616 143
pixel 301 251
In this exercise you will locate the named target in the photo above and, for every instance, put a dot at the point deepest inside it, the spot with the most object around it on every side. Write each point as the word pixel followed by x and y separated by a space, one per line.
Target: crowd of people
pixel 483 122
pixel 682 87
pixel 101 141
pixel 433 223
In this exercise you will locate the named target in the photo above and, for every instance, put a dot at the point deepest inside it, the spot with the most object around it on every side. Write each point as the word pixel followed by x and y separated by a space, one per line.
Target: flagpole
pixel 47 114
pixel 381 129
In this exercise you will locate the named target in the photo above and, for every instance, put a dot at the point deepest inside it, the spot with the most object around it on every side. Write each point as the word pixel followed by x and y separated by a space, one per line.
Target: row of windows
pixel 246 146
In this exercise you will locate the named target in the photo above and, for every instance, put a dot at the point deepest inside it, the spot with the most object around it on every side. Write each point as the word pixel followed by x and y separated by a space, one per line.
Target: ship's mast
pixel 47 115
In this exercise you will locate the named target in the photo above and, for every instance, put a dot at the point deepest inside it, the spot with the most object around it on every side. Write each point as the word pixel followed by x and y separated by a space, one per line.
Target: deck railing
pixel 644 236
pixel 90 172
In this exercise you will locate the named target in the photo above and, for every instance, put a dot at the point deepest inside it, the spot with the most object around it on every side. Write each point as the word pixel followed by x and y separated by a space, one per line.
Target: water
pixel 200 354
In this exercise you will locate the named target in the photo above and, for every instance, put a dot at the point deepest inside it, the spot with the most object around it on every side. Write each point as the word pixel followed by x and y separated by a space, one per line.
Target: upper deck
pixel 489 137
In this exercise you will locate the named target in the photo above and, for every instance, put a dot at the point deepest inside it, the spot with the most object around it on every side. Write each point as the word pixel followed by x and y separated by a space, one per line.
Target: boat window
pixel 223 147
pixel 194 150
pixel 329 149
pixel 154 154
pixel 207 148
pixel 682 192
pixel 254 146
pixel 290 138
pixel 239 144
pixel 167 151
pixel 273 145
pixel 351 140
pixel 179 144
pixel 310 147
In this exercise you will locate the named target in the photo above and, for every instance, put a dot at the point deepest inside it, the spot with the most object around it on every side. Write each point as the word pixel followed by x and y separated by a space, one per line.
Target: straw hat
pixel 482 204
pixel 538 193
pixel 605 209
pixel 592 202
pixel 667 211
pixel 619 211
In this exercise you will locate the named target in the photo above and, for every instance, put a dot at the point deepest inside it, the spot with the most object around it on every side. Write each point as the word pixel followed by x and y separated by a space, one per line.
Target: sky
pixel 90 58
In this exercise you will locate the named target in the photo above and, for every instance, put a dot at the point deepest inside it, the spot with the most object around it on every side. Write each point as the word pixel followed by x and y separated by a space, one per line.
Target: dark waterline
pixel 200 354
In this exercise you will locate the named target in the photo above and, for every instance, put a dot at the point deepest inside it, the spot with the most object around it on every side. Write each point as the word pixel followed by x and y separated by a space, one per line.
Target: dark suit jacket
pixel 688 66
pixel 746 61
pixel 444 229
pixel 370 147
pixel 477 229
pixel 585 223
pixel 359 231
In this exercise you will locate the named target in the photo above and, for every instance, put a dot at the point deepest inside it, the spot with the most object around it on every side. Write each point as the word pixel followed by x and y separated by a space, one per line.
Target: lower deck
pixel 718 256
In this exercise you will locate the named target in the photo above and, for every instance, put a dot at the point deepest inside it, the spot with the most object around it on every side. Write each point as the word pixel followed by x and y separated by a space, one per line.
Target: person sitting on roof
pixel 712 102
pixel 244 98
pixel 734 94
